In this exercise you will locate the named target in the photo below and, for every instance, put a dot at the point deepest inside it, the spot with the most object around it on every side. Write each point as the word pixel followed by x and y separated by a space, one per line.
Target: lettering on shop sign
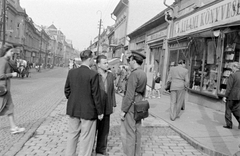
pixel 224 12
pixel 157 35
pixel 141 38
pixel 178 45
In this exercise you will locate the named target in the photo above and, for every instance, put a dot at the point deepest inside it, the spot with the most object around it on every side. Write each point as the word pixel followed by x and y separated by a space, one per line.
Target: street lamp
pixel 40 59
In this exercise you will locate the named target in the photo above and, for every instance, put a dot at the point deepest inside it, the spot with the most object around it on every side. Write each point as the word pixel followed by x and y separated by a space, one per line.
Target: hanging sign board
pixel 227 11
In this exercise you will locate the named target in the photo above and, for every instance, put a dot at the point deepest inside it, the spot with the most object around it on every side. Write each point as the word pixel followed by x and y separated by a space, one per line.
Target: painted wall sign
pixel 157 35
pixel 178 45
pixel 224 12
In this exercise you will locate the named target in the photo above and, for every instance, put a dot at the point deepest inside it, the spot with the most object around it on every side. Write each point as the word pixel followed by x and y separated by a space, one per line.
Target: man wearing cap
pixel 136 87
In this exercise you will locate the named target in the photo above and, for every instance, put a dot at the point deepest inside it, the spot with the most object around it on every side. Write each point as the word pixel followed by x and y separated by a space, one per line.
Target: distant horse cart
pixel 23 68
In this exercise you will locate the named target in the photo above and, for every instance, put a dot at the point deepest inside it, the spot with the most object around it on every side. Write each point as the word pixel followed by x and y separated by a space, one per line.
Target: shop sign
pixel 224 12
pixel 141 38
pixel 157 35
pixel 178 45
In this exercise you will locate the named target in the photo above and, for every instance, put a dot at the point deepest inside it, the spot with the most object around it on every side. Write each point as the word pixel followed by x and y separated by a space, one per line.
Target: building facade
pixel 151 39
pixel 207 36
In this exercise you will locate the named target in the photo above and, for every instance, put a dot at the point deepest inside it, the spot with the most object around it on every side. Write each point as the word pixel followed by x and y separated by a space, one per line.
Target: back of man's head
pixel 181 62
pixel 86 54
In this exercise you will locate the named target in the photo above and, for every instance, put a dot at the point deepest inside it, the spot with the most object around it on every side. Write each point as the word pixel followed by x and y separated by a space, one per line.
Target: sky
pixel 77 19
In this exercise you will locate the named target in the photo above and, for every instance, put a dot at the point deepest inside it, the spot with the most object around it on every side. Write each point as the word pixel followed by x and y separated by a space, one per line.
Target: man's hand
pixel 100 117
pixel 224 99
pixel 14 74
pixel 122 115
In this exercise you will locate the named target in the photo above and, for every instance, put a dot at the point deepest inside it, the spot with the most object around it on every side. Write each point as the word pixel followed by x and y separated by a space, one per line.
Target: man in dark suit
pixel 232 97
pixel 106 80
pixel 83 107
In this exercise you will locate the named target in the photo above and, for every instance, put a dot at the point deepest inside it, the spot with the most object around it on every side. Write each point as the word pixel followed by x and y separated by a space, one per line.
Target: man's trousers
pixel 102 136
pixel 177 101
pixel 131 134
pixel 232 107
pixel 85 130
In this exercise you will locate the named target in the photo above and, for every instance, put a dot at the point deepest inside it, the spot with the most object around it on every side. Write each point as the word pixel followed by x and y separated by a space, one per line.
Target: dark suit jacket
pixel 233 86
pixel 83 93
pixel 108 98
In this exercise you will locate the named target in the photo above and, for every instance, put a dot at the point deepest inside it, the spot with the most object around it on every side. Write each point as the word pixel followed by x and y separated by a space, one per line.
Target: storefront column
pixel 166 55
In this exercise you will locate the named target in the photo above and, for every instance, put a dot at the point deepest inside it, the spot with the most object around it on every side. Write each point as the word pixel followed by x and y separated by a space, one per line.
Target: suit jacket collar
pixel 83 65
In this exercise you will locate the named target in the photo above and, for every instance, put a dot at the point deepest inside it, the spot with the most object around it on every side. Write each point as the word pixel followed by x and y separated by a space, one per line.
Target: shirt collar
pixel 137 68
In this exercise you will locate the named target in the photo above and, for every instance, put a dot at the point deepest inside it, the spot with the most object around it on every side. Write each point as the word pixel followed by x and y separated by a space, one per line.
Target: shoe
pixel 182 108
pixel 17 130
pixel 228 127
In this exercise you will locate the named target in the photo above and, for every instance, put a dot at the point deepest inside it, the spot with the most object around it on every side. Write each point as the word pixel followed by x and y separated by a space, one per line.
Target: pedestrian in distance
pixel 158 84
pixel 108 100
pixel 136 87
pixel 6 103
pixel 83 107
pixel 232 97
pixel 178 76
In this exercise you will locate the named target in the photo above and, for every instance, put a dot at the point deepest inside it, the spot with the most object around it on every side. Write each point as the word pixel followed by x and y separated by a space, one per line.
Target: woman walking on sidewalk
pixel 6 103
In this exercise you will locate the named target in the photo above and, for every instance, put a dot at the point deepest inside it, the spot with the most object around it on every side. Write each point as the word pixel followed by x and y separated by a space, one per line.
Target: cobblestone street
pixel 157 139
pixel 34 99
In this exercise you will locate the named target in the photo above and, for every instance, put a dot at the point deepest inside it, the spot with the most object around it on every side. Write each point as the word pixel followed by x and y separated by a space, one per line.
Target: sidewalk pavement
pixel 158 139
pixel 202 127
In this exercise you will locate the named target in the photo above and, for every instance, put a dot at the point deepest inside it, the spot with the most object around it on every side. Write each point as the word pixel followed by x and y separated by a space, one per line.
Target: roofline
pixel 119 6
pixel 155 18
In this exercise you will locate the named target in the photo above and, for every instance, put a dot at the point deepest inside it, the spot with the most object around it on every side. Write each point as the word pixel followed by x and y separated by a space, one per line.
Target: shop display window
pixel 197 63
pixel 230 55
pixel 204 71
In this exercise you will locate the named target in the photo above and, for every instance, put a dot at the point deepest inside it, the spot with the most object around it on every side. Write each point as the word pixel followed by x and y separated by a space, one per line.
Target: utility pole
pixel 40 57
pixel 3 22
pixel 99 32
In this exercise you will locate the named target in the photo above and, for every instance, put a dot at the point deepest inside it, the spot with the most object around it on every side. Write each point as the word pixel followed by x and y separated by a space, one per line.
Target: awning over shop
pixel 113 61
pixel 234 24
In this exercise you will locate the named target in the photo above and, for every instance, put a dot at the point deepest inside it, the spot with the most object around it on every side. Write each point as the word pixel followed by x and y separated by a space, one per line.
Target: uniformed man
pixel 136 87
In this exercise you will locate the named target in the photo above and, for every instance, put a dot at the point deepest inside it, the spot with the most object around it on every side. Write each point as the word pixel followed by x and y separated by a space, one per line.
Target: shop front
pixel 178 50
pixel 212 44
pixel 155 41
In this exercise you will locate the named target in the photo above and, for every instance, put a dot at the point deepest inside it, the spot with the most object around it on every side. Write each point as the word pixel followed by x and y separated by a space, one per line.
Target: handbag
pixel 141 110
pixel 3 88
